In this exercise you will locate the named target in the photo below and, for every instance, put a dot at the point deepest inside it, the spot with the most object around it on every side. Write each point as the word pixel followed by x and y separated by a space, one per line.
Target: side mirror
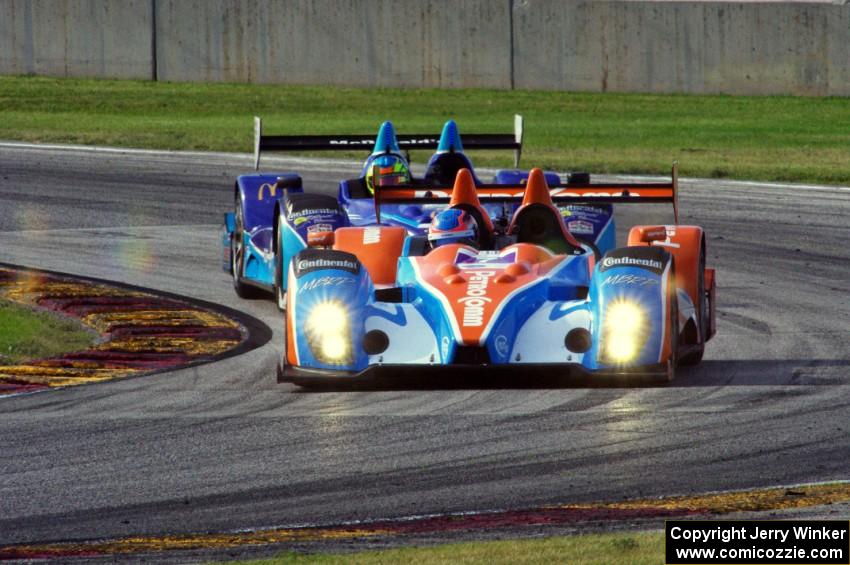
pixel 287 182
pixel 649 234
pixel 320 239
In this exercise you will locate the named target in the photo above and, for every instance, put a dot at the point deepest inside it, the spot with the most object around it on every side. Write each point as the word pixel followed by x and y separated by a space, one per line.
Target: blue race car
pixel 274 217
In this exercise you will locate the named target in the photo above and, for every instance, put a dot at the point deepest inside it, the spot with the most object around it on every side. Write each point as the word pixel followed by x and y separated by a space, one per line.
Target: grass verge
pixel 762 138
pixel 634 548
pixel 26 334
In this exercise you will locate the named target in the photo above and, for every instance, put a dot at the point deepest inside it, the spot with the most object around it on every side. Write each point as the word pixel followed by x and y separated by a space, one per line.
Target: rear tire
pixel 237 255
pixel 673 361
pixel 694 355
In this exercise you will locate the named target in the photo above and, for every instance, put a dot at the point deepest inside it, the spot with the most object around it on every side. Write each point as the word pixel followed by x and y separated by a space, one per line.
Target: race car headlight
pixel 328 332
pixel 624 332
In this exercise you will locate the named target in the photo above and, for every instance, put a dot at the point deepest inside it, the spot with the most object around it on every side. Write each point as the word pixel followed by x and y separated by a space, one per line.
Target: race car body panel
pixel 276 214
pixel 377 248
pixel 516 305
pixel 475 315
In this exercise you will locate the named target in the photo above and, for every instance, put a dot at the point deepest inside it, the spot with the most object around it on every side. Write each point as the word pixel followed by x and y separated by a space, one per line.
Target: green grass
pixel 765 138
pixel 26 334
pixel 632 548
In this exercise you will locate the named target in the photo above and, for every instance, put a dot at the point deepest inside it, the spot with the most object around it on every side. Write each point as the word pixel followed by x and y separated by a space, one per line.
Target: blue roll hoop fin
pixel 450 139
pixel 386 142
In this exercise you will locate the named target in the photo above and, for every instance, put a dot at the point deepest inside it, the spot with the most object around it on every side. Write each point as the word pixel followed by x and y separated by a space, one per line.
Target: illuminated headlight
pixel 328 333
pixel 624 332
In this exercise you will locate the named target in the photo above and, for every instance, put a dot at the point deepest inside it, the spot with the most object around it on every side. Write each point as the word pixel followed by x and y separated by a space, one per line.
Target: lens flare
pixel 135 254
pixel 625 325
pixel 327 328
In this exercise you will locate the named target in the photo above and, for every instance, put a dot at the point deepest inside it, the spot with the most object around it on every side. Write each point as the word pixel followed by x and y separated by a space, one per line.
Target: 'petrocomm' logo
pixel 475 299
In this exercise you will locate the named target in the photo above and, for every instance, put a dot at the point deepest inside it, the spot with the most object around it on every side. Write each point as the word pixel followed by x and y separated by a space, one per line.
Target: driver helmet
pixel 391 169
pixel 452 226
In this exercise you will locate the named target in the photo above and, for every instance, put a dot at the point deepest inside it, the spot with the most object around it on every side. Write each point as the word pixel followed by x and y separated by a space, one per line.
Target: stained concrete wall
pixel 77 38
pixel 442 43
pixel 591 45
pixel 695 47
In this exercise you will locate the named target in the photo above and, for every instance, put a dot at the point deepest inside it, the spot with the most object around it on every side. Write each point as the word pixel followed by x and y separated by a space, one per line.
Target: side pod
pixel 688 246
pixel 376 247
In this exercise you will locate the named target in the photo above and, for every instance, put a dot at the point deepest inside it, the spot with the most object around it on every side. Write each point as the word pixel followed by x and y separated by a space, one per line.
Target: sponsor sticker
pixel 466 259
pixel 311 260
pixel 267 187
pixel 315 228
pixel 371 235
pixel 476 298
pixel 314 212
pixel 304 264
pixel 324 282
pixel 431 194
pixel 609 262
pixel 352 142
pixel 580 227
pixel 635 280
pixel 567 192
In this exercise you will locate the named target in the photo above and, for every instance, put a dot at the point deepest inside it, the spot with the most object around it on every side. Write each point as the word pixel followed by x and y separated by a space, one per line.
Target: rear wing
pixel 511 141
pixel 562 193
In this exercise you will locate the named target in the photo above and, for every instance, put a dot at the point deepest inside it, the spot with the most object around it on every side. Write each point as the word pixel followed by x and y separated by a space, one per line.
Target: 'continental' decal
pixel 649 258
pixel 310 260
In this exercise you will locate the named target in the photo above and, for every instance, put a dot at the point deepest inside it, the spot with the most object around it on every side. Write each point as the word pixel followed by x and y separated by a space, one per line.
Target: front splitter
pixel 521 373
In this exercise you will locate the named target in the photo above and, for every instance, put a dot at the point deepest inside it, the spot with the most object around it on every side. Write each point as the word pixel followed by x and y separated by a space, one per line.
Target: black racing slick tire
pixel 237 255
pixel 674 331
pixel 695 351
pixel 279 292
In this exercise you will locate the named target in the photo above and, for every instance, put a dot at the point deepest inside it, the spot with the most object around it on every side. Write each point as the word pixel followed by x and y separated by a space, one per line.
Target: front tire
pixel 279 292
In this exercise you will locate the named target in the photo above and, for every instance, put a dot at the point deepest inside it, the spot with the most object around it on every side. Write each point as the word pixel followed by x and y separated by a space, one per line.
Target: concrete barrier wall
pixel 77 38
pixel 590 45
pixel 701 47
pixel 442 43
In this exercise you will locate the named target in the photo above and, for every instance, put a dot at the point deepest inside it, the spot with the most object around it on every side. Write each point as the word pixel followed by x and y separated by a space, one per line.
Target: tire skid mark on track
pixel 719 422
pixel 140 332
pixel 761 500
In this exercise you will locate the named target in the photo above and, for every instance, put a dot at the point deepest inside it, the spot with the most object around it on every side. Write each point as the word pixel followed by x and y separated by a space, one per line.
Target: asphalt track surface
pixel 223 446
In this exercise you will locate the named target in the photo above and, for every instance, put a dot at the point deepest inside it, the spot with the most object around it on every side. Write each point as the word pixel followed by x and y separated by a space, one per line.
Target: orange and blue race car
pixel 514 289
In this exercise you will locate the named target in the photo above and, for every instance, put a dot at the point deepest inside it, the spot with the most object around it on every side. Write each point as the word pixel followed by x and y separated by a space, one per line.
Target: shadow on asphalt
pixel 706 374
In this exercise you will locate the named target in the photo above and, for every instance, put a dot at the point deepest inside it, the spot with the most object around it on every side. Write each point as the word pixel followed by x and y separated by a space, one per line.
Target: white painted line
pixel 415 517
pixel 181 227
pixel 319 164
